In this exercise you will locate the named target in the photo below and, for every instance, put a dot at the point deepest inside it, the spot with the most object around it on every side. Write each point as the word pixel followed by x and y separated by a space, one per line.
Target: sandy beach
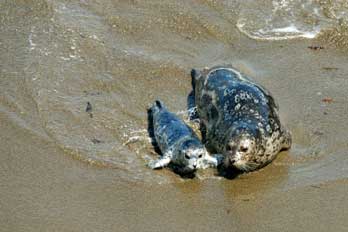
pixel 65 169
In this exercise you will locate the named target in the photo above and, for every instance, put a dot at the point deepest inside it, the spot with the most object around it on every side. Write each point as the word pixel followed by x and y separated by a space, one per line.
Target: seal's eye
pixel 187 156
pixel 229 147
pixel 200 156
pixel 243 148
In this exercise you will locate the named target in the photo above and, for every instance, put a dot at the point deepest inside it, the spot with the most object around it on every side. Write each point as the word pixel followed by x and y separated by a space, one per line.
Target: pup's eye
pixel 243 149
pixel 187 156
pixel 200 156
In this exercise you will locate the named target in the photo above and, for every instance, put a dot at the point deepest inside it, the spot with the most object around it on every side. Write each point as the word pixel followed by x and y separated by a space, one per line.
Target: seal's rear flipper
pixel 157 106
pixel 151 112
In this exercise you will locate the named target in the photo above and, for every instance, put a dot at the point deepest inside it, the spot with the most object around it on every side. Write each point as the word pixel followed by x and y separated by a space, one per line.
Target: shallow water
pixel 288 19
pixel 56 56
pixel 119 58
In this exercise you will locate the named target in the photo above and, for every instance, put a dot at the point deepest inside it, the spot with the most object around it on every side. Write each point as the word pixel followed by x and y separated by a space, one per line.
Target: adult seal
pixel 239 118
pixel 178 143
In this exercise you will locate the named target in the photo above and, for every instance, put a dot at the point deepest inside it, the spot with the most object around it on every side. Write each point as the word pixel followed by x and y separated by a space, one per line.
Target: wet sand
pixel 63 169
pixel 44 189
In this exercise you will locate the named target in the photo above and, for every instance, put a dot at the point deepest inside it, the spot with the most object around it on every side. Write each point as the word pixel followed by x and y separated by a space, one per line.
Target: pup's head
pixel 191 154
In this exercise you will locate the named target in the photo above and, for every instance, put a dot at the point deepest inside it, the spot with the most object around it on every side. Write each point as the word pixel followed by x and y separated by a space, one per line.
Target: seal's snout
pixel 238 151
pixel 229 160
pixel 232 160
pixel 194 164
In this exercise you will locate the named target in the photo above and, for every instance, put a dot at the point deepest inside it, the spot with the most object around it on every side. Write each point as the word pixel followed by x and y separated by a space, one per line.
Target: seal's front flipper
pixel 160 163
pixel 211 161
pixel 216 159
pixel 287 140
pixel 220 158
pixel 195 74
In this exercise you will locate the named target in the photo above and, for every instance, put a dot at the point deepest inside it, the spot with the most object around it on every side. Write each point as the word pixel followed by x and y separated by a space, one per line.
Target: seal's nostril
pixel 232 161
pixel 195 165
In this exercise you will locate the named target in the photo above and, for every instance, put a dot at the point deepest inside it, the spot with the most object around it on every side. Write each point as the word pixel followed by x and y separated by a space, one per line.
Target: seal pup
pixel 239 118
pixel 178 143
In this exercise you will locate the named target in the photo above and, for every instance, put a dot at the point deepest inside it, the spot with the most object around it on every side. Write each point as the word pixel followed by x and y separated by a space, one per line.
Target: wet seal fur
pixel 239 118
pixel 178 143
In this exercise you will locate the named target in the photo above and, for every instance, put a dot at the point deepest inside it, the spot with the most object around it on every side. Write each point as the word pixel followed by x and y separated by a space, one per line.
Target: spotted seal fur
pixel 178 143
pixel 239 118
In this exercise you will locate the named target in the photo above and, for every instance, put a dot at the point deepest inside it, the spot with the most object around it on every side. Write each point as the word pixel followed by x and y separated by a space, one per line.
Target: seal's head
pixel 190 155
pixel 242 148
